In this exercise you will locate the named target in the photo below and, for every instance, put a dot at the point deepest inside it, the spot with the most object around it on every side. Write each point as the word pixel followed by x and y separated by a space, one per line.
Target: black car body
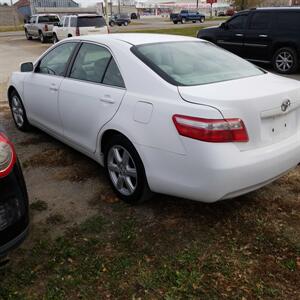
pixel 119 19
pixel 268 35
pixel 14 217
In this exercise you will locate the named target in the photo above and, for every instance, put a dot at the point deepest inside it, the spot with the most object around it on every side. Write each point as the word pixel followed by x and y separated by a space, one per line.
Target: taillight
pixel 46 27
pixel 7 156
pixel 77 31
pixel 211 130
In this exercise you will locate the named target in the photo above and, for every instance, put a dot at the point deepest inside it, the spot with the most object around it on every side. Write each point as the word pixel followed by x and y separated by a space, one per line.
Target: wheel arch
pixel 287 44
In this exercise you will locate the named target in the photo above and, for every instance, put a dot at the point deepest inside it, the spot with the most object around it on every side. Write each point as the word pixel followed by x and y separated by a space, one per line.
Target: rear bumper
pixel 211 172
pixel 14 243
pixel 14 216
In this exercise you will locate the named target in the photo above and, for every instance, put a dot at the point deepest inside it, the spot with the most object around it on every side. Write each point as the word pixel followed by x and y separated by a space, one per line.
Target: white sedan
pixel 167 114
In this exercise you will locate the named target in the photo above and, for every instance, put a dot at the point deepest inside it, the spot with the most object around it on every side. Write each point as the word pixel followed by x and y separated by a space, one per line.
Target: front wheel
pixel 183 21
pixel 55 39
pixel 125 23
pixel 28 36
pixel 112 24
pixel 42 38
pixel 202 19
pixel 18 112
pixel 285 61
pixel 125 170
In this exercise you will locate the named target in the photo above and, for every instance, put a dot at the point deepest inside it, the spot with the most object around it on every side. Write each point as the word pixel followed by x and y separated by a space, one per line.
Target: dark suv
pixel 267 35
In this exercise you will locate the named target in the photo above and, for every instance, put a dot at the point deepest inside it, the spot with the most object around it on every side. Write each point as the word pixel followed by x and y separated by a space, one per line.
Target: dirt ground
pixel 86 244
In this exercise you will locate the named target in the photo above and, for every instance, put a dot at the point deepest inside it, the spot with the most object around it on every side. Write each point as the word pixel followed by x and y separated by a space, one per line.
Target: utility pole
pixel 13 12
pixel 106 11
pixel 119 6
pixel 197 4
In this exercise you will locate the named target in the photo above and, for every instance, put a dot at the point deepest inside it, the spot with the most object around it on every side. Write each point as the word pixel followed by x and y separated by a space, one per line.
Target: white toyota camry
pixel 167 114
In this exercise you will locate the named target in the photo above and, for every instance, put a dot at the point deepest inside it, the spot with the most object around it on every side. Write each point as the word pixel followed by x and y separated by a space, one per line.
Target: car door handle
pixel 53 87
pixel 107 99
pixel 239 34
pixel 263 36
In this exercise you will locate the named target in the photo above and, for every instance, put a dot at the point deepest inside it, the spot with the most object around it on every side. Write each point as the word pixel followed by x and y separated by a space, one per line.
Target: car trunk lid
pixel 268 104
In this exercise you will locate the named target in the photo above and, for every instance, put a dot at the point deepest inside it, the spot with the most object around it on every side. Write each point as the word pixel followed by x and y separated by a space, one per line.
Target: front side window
pixel 193 63
pixel 260 20
pixel 237 22
pixel 66 22
pixel 55 62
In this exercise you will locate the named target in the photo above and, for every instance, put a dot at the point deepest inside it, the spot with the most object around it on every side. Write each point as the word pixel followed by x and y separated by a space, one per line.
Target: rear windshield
pixel 94 21
pixel 194 63
pixel 48 19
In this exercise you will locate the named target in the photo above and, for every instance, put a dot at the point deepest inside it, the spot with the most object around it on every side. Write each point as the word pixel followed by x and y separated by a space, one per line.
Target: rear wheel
pixel 125 170
pixel 202 19
pixel 285 60
pixel 112 24
pixel 18 112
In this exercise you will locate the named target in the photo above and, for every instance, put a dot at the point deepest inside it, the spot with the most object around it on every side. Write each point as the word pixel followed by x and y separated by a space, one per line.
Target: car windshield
pixel 93 21
pixel 194 63
pixel 48 19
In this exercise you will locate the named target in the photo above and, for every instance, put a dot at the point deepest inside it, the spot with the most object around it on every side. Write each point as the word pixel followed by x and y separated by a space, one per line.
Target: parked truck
pixel 187 15
pixel 41 26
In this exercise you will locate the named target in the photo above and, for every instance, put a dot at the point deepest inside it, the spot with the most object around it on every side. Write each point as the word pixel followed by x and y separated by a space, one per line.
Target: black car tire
pixel 112 23
pixel 141 192
pixel 202 19
pixel 194 21
pixel 25 126
pixel 183 21
pixel 285 60
pixel 28 36
pixel 55 39
pixel 42 38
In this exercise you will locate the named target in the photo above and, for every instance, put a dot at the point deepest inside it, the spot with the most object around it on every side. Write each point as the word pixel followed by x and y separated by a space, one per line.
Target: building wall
pixel 9 16
pixel 53 3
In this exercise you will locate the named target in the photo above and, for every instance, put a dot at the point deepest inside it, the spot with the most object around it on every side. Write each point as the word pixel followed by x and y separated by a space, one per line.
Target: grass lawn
pixel 188 31
pixel 11 28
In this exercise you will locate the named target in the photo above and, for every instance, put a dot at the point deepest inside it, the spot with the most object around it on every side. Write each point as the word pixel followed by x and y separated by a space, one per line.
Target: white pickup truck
pixel 41 26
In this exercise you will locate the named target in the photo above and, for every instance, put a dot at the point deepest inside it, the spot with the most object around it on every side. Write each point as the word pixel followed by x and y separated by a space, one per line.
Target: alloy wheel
pixel 122 170
pixel 284 61
pixel 17 110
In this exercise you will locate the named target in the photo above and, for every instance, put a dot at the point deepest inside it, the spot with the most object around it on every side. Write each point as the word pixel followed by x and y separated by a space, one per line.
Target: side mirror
pixel 27 67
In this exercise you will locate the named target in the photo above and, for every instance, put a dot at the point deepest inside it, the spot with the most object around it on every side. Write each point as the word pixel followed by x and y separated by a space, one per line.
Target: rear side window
pixel 287 20
pixel 48 19
pixel 73 22
pixel 113 75
pixel 94 21
pixel 260 20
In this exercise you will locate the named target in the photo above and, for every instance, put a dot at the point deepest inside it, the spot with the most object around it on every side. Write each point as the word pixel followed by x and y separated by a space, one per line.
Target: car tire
pixel 112 24
pixel 285 60
pixel 202 19
pixel 194 21
pixel 55 39
pixel 125 23
pixel 18 112
pixel 28 36
pixel 183 21
pixel 119 156
pixel 42 38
